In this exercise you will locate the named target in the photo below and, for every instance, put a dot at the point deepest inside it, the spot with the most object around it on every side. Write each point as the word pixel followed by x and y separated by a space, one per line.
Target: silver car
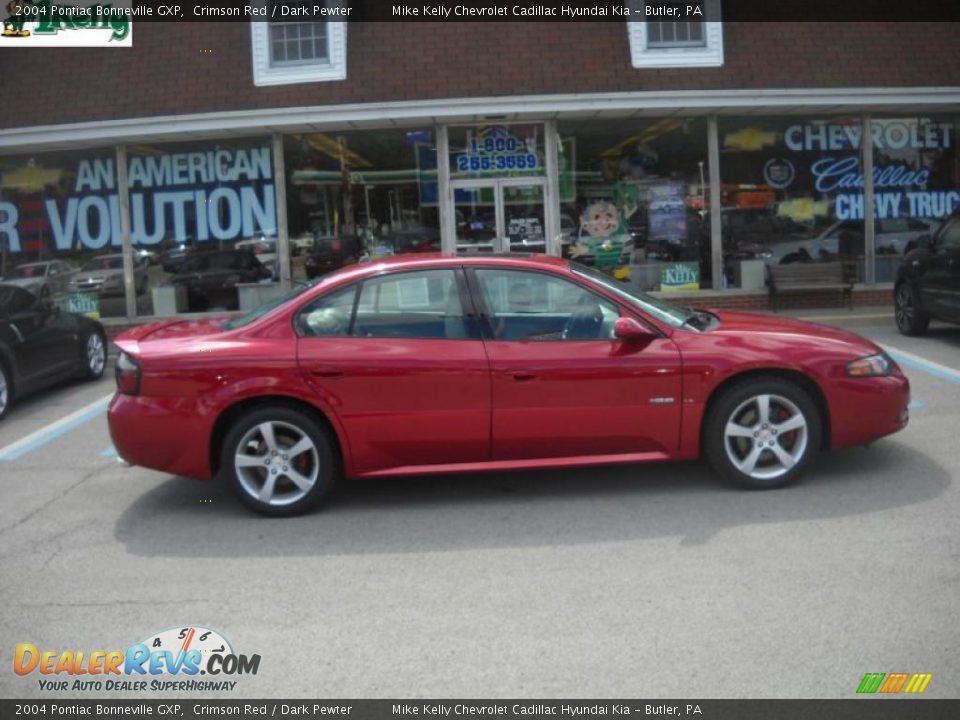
pixel 104 275
pixel 44 279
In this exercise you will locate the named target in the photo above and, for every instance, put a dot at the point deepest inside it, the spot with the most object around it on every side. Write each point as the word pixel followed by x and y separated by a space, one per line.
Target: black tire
pixel 290 427
pixel 89 369
pixel 739 405
pixel 6 391
pixel 911 320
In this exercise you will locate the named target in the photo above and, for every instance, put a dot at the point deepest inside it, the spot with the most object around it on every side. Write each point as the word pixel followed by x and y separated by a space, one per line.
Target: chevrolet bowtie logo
pixel 894 683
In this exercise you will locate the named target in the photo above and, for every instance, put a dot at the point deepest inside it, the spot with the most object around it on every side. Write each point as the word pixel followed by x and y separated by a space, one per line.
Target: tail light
pixel 128 375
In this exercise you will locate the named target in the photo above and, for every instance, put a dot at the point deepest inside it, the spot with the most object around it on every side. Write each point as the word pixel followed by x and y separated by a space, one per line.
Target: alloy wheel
pixel 96 354
pixel 903 307
pixel 276 463
pixel 766 436
pixel 4 391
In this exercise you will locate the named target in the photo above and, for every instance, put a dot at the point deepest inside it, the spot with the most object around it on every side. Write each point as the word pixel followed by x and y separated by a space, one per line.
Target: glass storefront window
pixel 789 190
pixel 634 194
pixel 60 224
pixel 916 184
pixel 360 194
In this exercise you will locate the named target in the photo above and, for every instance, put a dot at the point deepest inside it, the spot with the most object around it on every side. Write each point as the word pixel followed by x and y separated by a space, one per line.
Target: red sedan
pixel 442 364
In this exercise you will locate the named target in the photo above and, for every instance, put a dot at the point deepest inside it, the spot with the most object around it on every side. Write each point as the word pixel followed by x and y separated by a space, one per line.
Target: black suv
pixel 928 280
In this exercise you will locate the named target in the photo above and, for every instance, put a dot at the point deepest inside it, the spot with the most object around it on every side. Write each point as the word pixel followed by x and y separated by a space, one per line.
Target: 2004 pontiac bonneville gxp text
pixel 443 364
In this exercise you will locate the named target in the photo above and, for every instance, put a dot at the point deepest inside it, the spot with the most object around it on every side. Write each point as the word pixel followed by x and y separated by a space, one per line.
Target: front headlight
pixel 878 365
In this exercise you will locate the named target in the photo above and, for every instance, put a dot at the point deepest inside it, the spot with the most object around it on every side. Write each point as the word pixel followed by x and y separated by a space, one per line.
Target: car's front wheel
pixel 94 355
pixel 5 391
pixel 911 320
pixel 762 433
pixel 279 461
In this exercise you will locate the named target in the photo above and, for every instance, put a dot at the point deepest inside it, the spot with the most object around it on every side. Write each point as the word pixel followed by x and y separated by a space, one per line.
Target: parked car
pixel 103 274
pixel 41 345
pixel 211 277
pixel 44 279
pixel 422 364
pixel 928 281
pixel 332 253
pixel 172 253
pixel 266 251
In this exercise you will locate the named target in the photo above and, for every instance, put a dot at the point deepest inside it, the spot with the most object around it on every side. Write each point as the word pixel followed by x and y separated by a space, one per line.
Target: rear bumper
pixel 166 434
pixel 866 409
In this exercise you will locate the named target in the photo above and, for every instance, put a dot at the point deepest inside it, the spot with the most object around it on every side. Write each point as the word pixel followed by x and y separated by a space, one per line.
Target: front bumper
pixel 866 409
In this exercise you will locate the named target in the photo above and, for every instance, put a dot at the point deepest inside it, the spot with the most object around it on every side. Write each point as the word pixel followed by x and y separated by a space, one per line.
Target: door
pixel 941 284
pixel 562 384
pixel 500 215
pixel 399 357
pixel 42 339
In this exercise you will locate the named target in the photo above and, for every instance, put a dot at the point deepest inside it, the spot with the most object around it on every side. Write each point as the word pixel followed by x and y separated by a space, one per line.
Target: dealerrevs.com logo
pixel 44 23
pixel 171 660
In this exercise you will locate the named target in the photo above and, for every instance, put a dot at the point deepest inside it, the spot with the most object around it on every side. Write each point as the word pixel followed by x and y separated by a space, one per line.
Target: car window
pixel 227 261
pixel 423 304
pixel 14 300
pixel 536 306
pixel 950 237
pixel 329 315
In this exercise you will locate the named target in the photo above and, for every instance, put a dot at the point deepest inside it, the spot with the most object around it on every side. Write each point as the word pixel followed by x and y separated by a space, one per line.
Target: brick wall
pixel 166 73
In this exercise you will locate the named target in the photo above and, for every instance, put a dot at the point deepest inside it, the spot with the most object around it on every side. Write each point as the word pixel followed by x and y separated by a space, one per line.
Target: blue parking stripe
pixel 40 438
pixel 918 363
pixel 109 452
pixel 915 405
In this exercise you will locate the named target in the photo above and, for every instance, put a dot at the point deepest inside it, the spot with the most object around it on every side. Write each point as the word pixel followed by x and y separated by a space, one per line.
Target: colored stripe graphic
pixel 918 683
pixel 871 682
pixel 893 683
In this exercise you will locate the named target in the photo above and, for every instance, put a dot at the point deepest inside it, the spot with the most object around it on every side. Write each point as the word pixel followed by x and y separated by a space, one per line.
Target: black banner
pixel 872 708
pixel 850 11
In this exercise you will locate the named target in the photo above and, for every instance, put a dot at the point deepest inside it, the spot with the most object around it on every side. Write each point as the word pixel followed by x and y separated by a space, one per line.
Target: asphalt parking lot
pixel 636 581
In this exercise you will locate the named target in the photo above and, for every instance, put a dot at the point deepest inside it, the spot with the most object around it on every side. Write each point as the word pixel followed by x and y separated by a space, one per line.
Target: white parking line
pixel 54 430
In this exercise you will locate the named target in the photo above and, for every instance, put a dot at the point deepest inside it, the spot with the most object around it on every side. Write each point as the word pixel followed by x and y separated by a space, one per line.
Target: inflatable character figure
pixel 605 228
pixel 13 26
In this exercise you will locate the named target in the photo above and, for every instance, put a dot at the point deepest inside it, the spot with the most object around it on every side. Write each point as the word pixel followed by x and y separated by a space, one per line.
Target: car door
pixel 563 385
pixel 399 358
pixel 44 342
pixel 940 285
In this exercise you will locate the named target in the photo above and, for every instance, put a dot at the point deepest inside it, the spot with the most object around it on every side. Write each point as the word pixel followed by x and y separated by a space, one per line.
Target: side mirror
pixel 629 330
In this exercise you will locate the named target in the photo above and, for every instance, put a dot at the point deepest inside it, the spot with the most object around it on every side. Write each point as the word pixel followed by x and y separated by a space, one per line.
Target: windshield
pixel 104 263
pixel 28 271
pixel 665 312
pixel 259 312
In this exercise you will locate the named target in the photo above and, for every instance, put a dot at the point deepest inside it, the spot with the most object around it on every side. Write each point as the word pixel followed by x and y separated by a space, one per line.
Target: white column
pixel 869 226
pixel 126 243
pixel 716 232
pixel 445 209
pixel 280 189
pixel 551 200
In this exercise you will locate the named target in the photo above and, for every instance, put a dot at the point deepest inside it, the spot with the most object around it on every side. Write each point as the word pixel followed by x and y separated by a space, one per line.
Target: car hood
pixel 24 282
pixel 97 274
pixel 789 330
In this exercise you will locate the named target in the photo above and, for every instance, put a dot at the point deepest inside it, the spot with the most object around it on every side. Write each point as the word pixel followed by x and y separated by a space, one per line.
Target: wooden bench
pixel 811 276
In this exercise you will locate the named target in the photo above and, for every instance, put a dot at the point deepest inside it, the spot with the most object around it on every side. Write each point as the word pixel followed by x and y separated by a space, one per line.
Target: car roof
pixel 425 261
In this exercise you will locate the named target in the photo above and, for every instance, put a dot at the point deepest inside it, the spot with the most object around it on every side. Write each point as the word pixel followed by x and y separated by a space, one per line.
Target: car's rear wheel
pixel 5 391
pixel 762 433
pixel 94 349
pixel 911 320
pixel 279 461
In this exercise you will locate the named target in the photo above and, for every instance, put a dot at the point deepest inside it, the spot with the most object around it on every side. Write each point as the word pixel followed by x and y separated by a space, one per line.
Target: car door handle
pixel 326 373
pixel 523 376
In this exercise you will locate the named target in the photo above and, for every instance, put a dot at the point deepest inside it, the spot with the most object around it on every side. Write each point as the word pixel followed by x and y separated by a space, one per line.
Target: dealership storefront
pixel 669 192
